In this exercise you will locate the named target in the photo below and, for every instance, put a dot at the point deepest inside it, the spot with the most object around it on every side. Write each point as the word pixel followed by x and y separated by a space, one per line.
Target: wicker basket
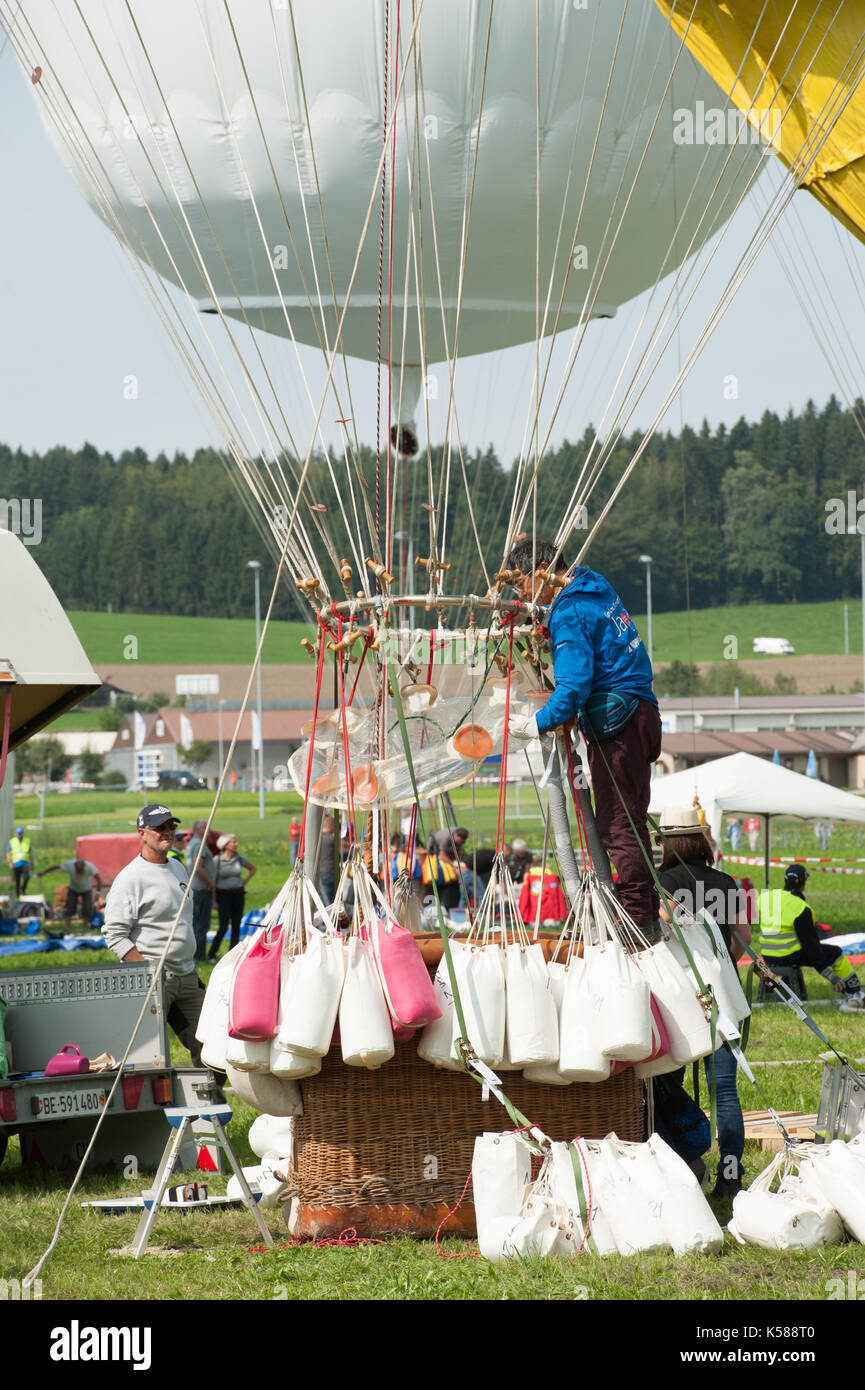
pixel 389 1151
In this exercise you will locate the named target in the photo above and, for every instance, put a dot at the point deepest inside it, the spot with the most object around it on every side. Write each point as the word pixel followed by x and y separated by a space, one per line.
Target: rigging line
pixel 327 386
pixel 308 126
pixel 424 356
pixel 723 304
pixel 275 396
pixel 439 506
pixel 537 386
pixel 598 274
pixel 193 246
pixel 628 400
pixel 512 528
pixel 320 527
pixel 325 344
pixel 176 334
pixel 680 279
pixel 381 289
pixel 820 321
pixel 464 237
pixel 361 242
pixel 41 1262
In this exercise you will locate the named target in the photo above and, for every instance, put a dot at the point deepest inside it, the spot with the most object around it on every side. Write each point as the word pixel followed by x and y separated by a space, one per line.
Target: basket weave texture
pixel 405 1134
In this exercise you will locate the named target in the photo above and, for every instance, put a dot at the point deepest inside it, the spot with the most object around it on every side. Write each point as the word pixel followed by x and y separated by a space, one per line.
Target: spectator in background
pixel 293 841
pixel 203 887
pixel 519 861
pixel 823 831
pixel 734 833
pixel 752 830
pixel 83 876
pixel 230 890
pixel 19 857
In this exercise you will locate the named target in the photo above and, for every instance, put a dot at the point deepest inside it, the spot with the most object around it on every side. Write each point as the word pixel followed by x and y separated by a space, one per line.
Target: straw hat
pixel 680 820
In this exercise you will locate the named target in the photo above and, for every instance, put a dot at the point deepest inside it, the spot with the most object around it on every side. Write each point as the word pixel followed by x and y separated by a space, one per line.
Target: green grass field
pixel 216 1258
pixel 813 628
pixel 166 640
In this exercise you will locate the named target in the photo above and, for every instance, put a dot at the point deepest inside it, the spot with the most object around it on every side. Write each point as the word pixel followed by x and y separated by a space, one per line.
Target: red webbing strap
pixel 349 789
pixel 503 779
pixel 367 642
pixel 318 679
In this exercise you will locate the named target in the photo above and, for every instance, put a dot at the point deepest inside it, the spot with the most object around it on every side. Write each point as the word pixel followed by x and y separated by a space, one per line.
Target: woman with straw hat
pixel 688 874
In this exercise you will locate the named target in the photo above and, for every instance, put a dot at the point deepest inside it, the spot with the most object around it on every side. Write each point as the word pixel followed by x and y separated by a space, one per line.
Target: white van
pixel 773 646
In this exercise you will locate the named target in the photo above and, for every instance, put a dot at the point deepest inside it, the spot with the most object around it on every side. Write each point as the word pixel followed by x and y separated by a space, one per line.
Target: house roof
pixel 789 743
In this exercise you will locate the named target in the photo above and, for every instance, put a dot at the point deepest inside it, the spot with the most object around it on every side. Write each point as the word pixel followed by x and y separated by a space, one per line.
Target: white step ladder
pixel 180 1117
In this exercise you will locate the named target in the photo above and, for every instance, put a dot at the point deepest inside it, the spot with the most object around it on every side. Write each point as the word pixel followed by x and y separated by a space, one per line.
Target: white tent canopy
pixel 743 783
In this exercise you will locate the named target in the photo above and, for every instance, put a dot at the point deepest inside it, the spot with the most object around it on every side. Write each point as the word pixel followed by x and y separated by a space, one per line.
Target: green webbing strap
pixel 585 1212
pixel 477 1070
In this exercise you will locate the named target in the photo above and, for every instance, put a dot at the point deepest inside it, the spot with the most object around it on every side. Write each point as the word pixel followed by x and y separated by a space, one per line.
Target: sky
pixel 75 327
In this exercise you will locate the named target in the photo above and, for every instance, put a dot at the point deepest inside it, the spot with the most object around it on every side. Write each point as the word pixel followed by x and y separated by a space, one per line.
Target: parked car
pixel 180 780
pixel 773 646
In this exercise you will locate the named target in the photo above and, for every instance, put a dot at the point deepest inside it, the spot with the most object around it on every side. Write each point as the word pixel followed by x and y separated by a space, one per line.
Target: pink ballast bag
pixel 253 1004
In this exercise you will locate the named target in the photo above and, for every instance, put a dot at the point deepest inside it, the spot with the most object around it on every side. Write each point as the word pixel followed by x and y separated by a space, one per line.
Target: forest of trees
pixel 730 516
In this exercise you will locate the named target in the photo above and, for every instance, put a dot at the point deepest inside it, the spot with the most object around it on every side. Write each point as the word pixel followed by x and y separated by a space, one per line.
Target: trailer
pixel 95 1007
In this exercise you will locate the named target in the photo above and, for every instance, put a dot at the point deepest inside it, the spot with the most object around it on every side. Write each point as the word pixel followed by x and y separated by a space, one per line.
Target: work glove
pixel 835 981
pixel 523 727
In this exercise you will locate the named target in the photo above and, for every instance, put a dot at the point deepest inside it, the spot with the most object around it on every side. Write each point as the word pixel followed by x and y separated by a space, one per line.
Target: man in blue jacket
pixel 604 678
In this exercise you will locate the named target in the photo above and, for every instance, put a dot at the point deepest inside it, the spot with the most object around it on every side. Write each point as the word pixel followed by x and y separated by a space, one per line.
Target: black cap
pixel 795 873
pixel 149 817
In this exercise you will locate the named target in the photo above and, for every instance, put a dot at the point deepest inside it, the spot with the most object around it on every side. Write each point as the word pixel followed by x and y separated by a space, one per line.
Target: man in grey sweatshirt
pixel 140 914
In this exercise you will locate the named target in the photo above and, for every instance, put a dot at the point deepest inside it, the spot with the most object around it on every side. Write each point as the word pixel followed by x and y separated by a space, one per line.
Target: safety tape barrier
pixel 822 867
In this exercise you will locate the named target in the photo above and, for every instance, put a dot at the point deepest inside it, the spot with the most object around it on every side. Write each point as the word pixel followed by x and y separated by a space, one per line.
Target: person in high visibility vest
pixel 19 857
pixel 788 936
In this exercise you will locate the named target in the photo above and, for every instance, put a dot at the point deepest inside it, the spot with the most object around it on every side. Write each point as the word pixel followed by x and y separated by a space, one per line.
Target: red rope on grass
pixel 462 1254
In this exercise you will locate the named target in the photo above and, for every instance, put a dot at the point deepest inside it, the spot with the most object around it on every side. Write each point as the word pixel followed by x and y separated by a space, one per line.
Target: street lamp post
pixel 255 566
pixel 647 561
pixel 852 531
pixel 219 719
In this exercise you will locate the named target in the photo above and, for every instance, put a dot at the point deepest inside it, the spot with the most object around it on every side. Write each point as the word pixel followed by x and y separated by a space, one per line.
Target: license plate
pixel 60 1105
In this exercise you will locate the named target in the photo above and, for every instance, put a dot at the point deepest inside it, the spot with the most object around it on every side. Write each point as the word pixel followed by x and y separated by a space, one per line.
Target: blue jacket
pixel 595 648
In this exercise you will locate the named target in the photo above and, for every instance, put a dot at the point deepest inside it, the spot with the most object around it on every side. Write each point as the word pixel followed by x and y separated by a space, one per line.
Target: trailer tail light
pixel 132 1088
pixel 8 1105
pixel 161 1090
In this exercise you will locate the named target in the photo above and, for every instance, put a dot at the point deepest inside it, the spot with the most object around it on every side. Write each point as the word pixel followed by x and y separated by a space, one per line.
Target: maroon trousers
pixel 621 768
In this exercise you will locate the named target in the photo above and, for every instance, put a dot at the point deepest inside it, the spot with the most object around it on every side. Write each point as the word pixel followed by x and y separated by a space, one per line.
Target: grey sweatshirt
pixel 140 910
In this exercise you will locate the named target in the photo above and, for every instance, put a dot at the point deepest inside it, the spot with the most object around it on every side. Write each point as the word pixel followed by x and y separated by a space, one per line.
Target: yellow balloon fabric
pixel 800 76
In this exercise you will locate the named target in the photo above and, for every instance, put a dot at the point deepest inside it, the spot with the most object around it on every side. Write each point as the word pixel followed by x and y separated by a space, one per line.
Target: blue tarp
pixel 67 943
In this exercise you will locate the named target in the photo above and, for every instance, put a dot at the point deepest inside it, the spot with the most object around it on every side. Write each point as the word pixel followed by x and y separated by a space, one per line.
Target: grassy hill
pixel 815 629
pixel 169 641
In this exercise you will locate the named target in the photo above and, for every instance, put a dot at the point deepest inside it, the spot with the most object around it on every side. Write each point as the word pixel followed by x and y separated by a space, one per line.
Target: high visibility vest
pixel 778 910
pixel 442 869
pixel 20 850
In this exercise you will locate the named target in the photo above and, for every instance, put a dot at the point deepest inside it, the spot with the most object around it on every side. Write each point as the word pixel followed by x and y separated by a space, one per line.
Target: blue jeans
pixel 731 1125
pixel 201 905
